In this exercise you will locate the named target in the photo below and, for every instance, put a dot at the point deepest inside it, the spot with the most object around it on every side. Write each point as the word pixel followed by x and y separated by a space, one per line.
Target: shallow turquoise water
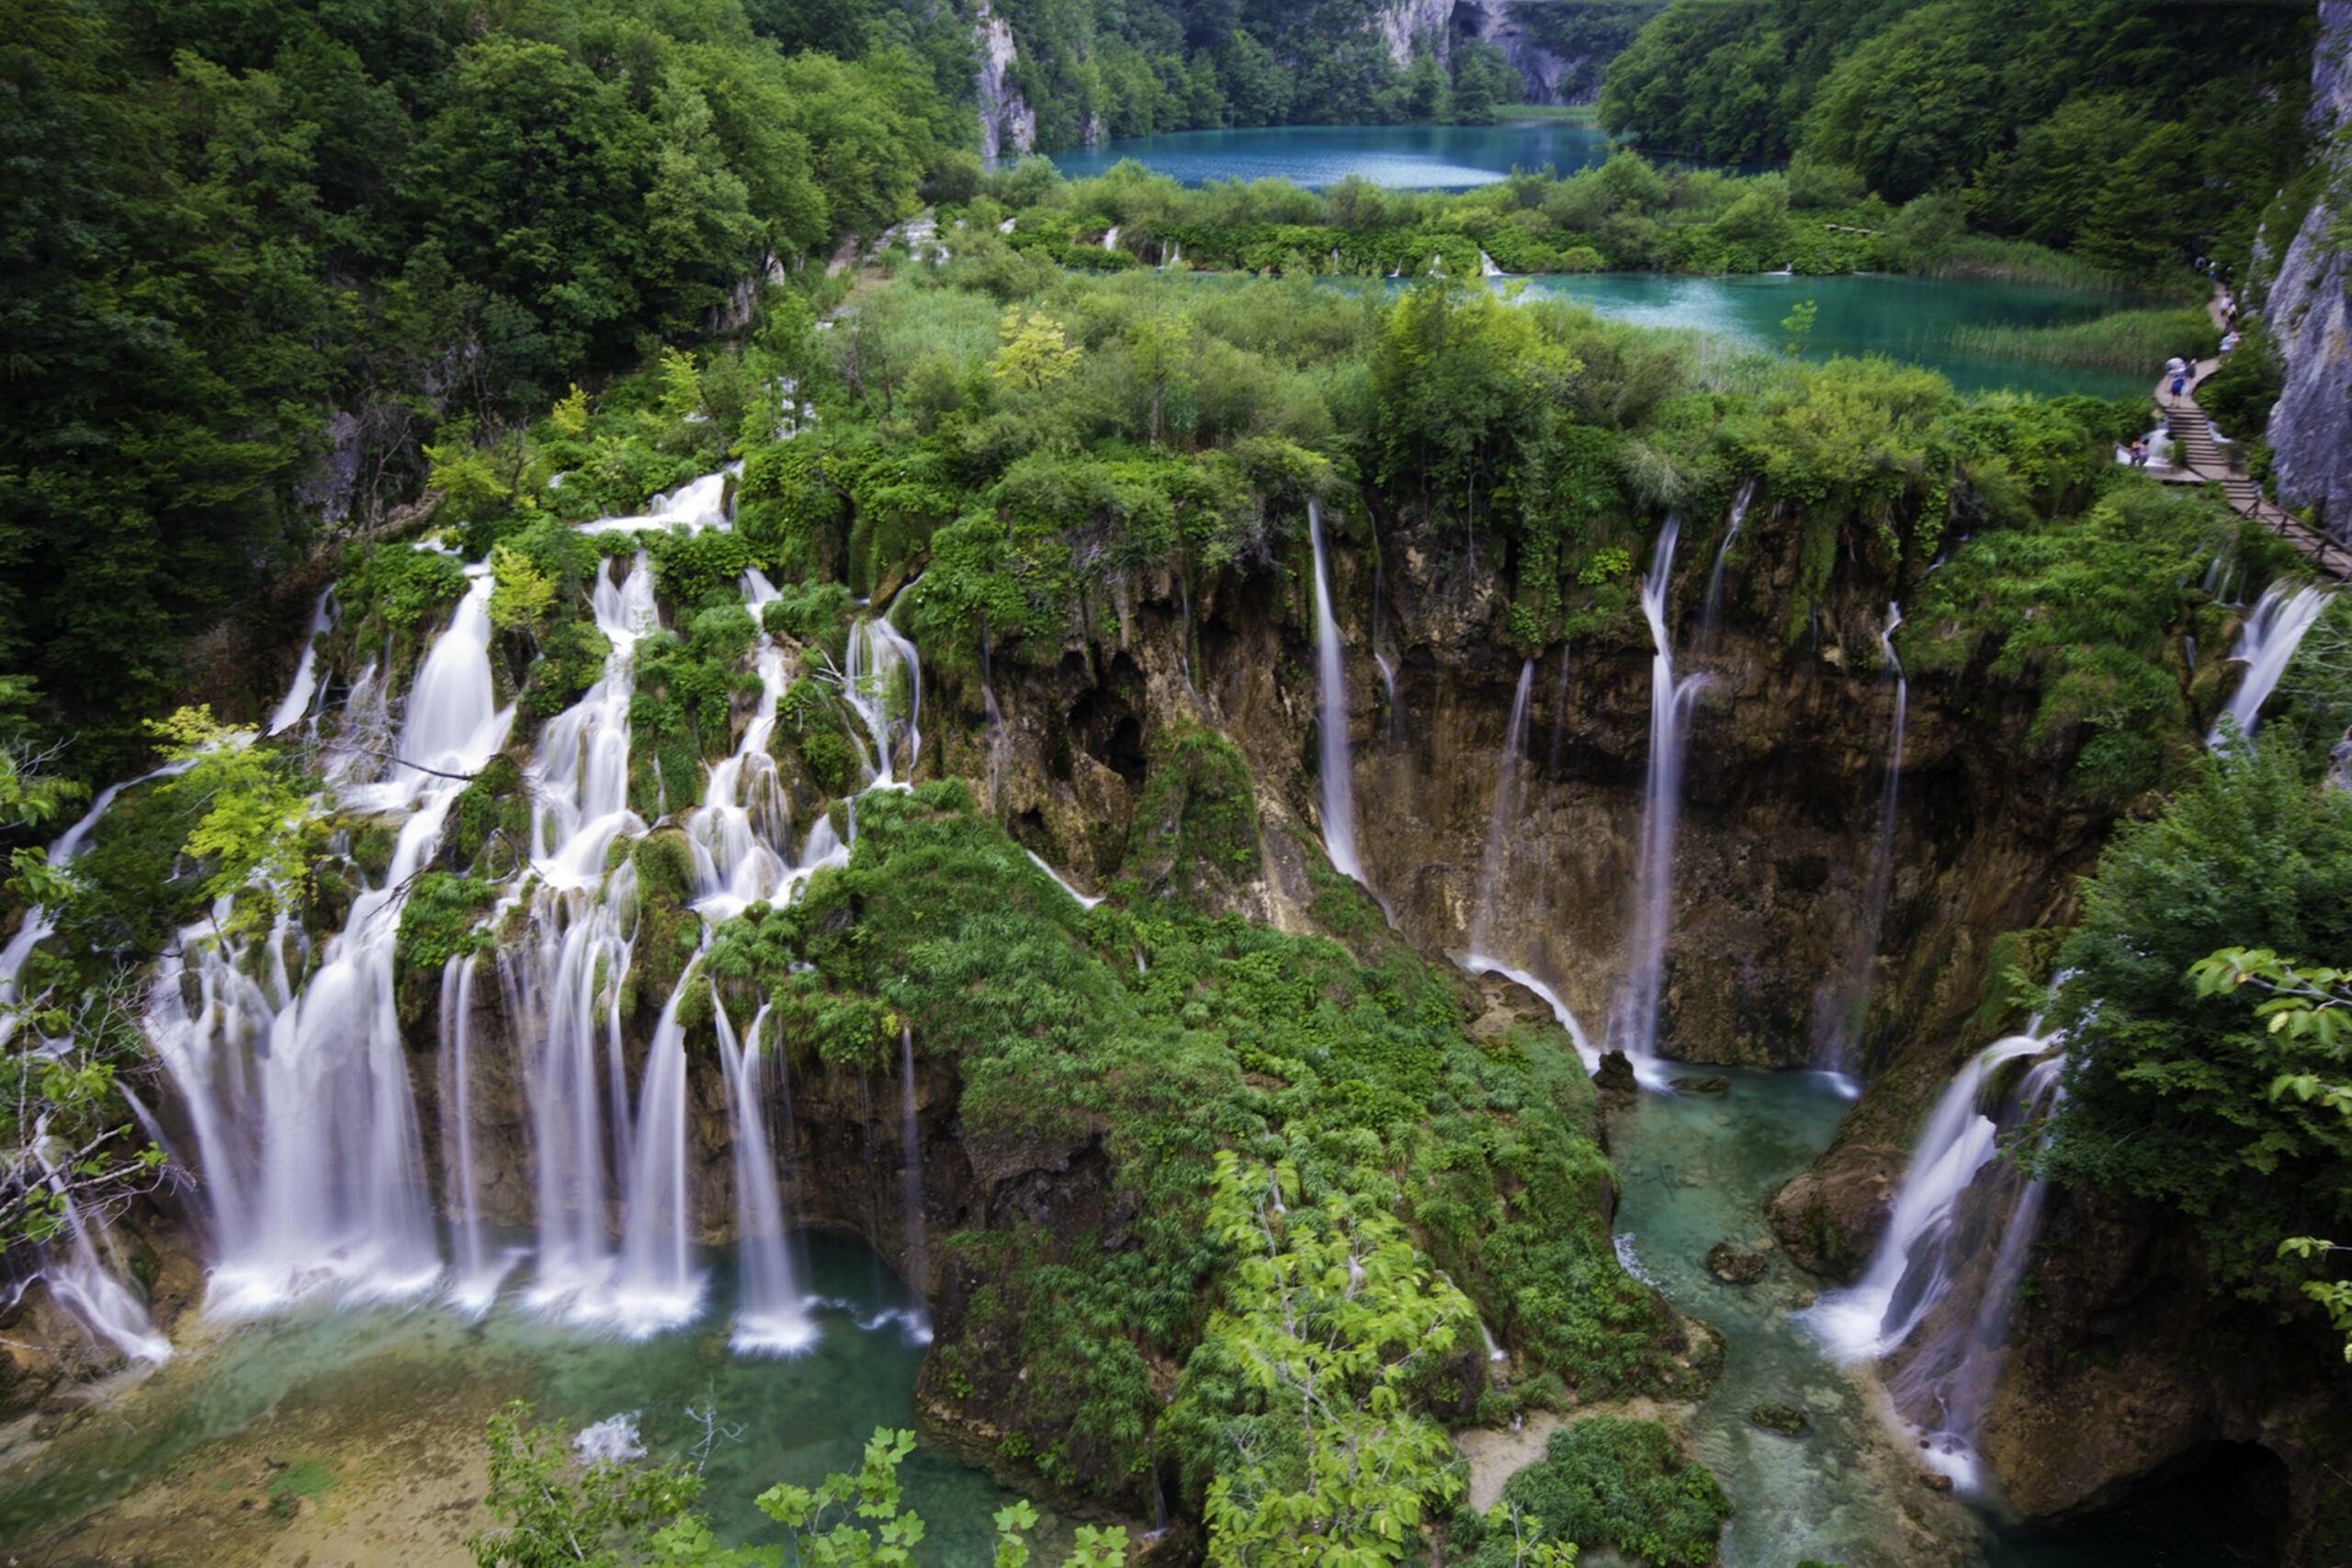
pixel 1403 157
pixel 793 1421
pixel 1695 1170
pixel 1908 318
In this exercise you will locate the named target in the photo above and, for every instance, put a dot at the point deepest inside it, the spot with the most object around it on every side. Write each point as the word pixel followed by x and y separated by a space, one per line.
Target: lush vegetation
pixel 1628 214
pixel 1356 1099
pixel 259 257
pixel 1606 1481
pixel 2170 1079
pixel 2136 135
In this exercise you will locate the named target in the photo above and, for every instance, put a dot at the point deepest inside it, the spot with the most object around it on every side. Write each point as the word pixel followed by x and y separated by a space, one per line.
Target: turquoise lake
pixel 1909 319
pixel 1406 157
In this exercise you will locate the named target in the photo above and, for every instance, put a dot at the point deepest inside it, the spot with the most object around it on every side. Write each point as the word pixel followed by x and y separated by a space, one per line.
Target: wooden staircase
pixel 2198 459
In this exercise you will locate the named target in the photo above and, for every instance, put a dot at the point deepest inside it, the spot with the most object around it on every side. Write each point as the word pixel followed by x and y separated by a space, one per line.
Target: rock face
pixel 2309 317
pixel 1008 125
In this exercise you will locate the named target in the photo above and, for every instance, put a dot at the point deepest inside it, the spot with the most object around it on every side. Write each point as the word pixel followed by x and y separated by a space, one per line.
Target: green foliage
pixel 612 1514
pixel 2169 1078
pixel 2093 610
pixel 2138 139
pixel 228 229
pixel 260 821
pixel 1195 829
pixel 440 919
pixel 941 926
pixel 1610 1481
pixel 1330 1317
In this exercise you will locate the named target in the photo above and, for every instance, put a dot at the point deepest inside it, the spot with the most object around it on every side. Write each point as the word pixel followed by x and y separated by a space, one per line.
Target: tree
pixel 1162 345
pixel 1333 1319
pixel 1036 351
pixel 1798 324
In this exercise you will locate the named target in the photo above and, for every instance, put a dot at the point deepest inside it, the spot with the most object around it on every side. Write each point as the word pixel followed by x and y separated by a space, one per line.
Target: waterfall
pixel 1339 787
pixel 1389 689
pixel 1634 1030
pixel 1111 239
pixel 1060 881
pixel 1840 1009
pixel 2266 648
pixel 305 1121
pixel 878 651
pixel 1175 257
pixel 772 1317
pixel 656 1286
pixel 1486 267
pixel 93 1292
pixel 477 1282
pixel 295 704
pixel 1502 818
pixel 738 832
pixel 1711 615
pixel 998 742
pixel 1954 1370
pixel 1914 1264
pixel 39 921
pixel 911 1156
pixel 697 504
pixel 1587 1052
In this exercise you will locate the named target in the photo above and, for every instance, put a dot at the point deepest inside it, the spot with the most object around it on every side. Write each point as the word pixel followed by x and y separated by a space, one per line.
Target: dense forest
pixel 2134 134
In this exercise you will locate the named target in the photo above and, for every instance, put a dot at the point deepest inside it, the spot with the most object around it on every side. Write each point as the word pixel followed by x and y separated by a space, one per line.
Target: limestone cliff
pixel 1008 125
pixel 2307 312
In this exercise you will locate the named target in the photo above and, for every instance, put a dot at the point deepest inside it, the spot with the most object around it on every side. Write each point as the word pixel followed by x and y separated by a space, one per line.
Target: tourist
pixel 2230 341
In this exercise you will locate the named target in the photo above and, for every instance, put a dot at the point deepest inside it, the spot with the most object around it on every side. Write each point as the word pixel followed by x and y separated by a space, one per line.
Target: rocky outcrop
pixel 2309 314
pixel 1008 125
pixel 2127 1369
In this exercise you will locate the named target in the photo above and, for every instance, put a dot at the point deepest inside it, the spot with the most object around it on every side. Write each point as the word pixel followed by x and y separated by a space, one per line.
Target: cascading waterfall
pixel 1914 1266
pixel 295 704
pixel 772 1317
pixel 304 1117
pixel 878 654
pixel 2266 648
pixel 1634 1030
pixel 910 1158
pixel 39 921
pixel 1111 239
pixel 93 1292
pixel 1502 819
pixel 1339 786
pixel 1948 1383
pixel 1486 267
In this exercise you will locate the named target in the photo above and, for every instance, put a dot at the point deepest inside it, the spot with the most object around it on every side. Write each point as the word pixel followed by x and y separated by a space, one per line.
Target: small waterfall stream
pixel 1711 616
pixel 1494 868
pixel 477 1282
pixel 1842 1006
pixel 1339 785
pixel 657 1285
pixel 1634 1029
pixel 2266 648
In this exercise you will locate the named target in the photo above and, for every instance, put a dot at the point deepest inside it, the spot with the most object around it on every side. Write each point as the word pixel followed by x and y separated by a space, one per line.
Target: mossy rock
pixel 665 866
pixel 1785 1420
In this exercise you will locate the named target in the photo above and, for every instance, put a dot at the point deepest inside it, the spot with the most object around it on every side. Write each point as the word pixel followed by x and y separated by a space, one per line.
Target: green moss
pixel 494 804
pixel 1195 827
pixel 440 918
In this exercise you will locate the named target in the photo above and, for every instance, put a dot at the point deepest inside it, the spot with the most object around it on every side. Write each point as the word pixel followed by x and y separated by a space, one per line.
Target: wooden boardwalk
pixel 2198 459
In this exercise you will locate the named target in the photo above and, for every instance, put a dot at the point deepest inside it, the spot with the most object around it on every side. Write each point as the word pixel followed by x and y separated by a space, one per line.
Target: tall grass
pixel 2125 340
